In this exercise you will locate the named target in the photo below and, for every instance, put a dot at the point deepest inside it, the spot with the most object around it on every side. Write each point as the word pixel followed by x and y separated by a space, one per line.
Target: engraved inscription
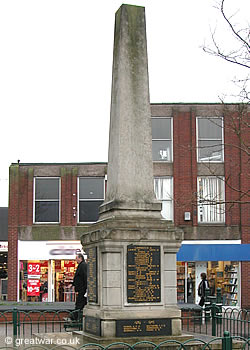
pixel 92 325
pixel 143 274
pixel 92 274
pixel 145 327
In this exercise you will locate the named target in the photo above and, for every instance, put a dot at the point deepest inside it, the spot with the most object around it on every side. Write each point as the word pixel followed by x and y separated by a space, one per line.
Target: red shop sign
pixel 69 263
pixel 33 288
pixel 34 268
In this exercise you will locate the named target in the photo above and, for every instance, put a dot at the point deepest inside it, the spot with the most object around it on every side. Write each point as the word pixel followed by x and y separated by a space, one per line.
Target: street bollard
pixel 14 320
pixel 213 313
pixel 219 305
pixel 227 343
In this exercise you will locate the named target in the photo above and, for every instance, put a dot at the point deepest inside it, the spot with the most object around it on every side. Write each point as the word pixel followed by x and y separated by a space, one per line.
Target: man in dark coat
pixel 203 285
pixel 80 284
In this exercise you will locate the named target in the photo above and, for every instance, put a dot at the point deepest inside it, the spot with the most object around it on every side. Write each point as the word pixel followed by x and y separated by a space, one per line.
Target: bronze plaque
pixel 143 274
pixel 92 275
pixel 144 327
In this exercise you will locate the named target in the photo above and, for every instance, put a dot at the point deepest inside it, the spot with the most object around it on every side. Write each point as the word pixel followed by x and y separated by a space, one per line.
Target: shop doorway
pixel 200 266
pixel 46 280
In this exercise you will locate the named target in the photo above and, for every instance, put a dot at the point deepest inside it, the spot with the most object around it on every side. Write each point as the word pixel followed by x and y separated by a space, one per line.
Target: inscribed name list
pixel 92 274
pixel 143 274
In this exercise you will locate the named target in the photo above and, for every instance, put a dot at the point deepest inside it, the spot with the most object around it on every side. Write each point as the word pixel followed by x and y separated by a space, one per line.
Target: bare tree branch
pixel 238 55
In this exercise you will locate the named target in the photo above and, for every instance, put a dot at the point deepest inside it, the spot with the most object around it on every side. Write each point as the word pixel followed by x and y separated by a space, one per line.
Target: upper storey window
pixel 91 196
pixel 162 139
pixel 210 140
pixel 47 200
pixel 163 187
pixel 211 199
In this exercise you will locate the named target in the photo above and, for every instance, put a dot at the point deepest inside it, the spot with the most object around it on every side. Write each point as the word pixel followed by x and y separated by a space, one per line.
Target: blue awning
pixel 214 252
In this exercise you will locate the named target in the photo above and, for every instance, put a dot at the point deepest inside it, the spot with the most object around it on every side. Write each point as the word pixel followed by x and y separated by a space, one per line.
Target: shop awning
pixel 214 252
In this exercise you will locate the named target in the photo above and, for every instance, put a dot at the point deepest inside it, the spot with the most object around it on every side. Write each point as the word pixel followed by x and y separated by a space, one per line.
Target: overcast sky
pixel 56 70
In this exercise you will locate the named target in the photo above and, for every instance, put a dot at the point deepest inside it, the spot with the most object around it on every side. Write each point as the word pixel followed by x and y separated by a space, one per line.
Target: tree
pixel 238 53
pixel 236 117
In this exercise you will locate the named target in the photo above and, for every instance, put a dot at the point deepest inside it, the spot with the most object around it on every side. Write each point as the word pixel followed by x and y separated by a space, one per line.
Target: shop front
pixel 46 269
pixel 3 270
pixel 221 261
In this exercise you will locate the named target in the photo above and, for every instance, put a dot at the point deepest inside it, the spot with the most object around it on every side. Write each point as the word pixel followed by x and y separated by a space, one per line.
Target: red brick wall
pixel 232 169
pixel 13 219
pixel 245 285
pixel 68 197
pixel 245 180
pixel 184 166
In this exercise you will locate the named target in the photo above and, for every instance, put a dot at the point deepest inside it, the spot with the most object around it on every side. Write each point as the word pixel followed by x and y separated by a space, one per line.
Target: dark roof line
pixel 78 163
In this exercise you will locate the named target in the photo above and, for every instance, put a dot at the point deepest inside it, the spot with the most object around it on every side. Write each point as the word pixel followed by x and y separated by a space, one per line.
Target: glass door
pixel 51 281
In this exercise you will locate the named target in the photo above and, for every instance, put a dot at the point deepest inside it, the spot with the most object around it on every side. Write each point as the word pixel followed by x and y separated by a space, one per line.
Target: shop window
pixel 211 199
pixel 37 276
pixel 164 192
pixel 185 282
pixel 224 275
pixel 162 139
pixel 47 200
pixel 91 196
pixel 209 139
pixel 180 282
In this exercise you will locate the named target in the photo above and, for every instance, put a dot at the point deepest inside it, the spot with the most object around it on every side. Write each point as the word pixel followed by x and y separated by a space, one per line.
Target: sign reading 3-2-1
pixel 33 287
pixel 34 269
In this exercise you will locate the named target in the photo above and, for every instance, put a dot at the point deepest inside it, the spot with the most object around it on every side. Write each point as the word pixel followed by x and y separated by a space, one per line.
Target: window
pixel 211 199
pixel 164 192
pixel 47 194
pixel 210 139
pixel 162 139
pixel 91 196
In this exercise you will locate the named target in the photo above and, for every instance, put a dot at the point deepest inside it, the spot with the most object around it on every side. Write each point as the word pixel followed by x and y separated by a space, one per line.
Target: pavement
pixel 38 306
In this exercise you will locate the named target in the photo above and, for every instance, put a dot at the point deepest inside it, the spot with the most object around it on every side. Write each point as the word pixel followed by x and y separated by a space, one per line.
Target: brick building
pixel 200 169
pixel 3 252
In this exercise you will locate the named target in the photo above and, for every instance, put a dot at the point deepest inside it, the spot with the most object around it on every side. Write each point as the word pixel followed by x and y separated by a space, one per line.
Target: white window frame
pixel 165 139
pixel 169 200
pixel 222 140
pixel 94 200
pixel 46 200
pixel 213 213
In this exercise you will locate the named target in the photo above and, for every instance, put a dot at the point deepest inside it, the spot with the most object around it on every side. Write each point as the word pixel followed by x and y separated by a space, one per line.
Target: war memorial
pixel 131 249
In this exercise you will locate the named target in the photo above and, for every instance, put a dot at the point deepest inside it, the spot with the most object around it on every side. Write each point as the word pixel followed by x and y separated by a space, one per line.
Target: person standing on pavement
pixel 80 284
pixel 203 285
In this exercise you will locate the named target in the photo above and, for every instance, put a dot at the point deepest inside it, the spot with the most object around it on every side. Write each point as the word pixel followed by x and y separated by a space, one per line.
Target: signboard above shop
pixel 3 246
pixel 48 250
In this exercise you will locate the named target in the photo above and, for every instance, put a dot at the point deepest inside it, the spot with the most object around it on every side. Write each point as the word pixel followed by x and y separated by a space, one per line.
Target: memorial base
pixel 132 278
pixel 122 325
pixel 88 338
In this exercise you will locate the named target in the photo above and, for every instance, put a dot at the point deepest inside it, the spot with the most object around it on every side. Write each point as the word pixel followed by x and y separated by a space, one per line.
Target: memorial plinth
pixel 131 249
pixel 136 278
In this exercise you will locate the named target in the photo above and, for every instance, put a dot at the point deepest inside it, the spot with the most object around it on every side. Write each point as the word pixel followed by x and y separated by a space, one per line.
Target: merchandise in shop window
pixel 224 275
pixel 180 283
pixel 62 274
pixel 231 284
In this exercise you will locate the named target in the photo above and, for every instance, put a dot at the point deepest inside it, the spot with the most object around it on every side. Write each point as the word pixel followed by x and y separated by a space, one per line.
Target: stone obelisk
pixel 131 249
pixel 130 167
